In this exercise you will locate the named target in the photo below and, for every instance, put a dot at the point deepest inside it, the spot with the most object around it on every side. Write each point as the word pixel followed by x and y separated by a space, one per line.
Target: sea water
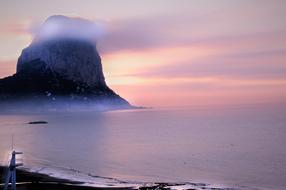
pixel 233 146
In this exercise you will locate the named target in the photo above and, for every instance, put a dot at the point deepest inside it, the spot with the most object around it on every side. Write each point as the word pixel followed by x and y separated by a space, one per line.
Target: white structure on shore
pixel 11 175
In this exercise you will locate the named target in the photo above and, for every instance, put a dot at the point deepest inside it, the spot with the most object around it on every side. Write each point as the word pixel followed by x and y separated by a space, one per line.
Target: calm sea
pixel 241 146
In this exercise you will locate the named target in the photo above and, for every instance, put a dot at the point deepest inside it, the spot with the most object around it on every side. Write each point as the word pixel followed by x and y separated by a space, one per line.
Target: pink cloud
pixel 15 28
pixel 7 68
pixel 162 31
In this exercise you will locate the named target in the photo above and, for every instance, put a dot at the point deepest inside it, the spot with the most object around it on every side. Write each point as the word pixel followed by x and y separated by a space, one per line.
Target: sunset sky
pixel 171 52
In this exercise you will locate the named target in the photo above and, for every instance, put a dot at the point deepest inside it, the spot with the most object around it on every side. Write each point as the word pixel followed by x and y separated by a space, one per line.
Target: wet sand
pixel 27 180
pixel 35 181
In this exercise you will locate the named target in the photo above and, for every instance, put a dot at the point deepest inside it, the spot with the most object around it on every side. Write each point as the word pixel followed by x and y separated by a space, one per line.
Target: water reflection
pixel 222 145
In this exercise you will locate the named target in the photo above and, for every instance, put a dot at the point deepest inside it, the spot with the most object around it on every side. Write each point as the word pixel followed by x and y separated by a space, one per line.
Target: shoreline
pixel 29 180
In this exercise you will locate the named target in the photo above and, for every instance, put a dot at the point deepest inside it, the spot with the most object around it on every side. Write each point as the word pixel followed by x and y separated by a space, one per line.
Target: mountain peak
pixel 73 59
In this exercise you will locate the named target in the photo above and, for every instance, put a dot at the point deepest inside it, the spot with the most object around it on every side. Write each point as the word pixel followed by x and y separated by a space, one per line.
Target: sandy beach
pixel 32 180
pixel 27 180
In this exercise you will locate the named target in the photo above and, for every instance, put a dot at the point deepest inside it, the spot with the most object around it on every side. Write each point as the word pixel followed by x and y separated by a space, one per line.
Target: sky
pixel 171 52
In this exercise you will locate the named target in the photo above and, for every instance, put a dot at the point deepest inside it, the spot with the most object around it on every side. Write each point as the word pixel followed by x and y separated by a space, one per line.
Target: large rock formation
pixel 72 59
pixel 60 67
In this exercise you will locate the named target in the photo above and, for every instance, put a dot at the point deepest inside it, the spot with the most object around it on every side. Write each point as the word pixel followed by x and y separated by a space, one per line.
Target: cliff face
pixel 62 68
pixel 72 59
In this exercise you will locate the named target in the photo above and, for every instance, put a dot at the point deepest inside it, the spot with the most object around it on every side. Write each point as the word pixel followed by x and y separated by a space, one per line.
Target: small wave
pixel 91 180
pixel 78 176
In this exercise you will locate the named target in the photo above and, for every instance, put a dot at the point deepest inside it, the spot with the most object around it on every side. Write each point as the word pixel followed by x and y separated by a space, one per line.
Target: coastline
pixel 28 180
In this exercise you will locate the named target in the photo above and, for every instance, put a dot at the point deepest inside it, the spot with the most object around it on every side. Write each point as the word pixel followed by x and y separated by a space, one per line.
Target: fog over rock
pixel 61 63
pixel 58 26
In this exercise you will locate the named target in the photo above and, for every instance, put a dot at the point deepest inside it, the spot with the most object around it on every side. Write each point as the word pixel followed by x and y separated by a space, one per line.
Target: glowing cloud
pixel 64 27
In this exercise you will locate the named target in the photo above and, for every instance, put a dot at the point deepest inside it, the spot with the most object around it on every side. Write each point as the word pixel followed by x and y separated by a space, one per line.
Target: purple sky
pixel 169 52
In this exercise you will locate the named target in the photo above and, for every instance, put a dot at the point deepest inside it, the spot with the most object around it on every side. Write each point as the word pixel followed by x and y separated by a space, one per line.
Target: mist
pixel 61 104
pixel 58 26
